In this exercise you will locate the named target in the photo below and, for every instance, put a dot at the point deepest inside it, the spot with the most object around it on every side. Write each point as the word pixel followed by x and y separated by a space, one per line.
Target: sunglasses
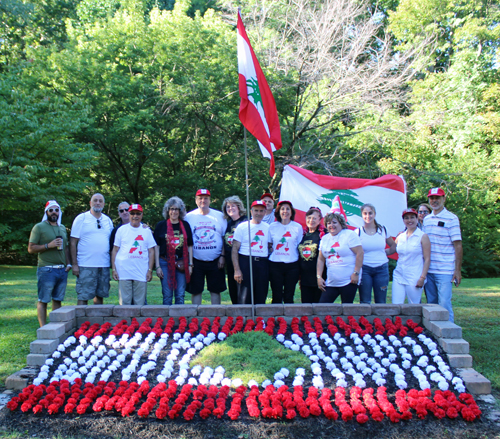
pixel 53 210
pixel 98 224
pixel 135 213
pixel 122 210
pixel 423 212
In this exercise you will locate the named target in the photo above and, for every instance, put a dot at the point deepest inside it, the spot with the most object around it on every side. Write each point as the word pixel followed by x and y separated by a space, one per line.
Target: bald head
pixel 97 203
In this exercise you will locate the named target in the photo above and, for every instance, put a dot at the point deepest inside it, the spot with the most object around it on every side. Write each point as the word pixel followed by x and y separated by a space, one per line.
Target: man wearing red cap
pixel 259 231
pixel 90 252
pixel 443 229
pixel 208 227
pixel 132 258
pixel 49 240
pixel 269 202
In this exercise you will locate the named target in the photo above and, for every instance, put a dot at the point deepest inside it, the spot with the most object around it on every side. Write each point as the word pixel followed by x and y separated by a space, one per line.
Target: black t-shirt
pixel 228 236
pixel 161 232
pixel 112 236
pixel 308 257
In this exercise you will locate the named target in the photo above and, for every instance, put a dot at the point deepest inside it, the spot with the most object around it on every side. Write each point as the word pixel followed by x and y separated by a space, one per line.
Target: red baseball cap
pixel 436 191
pixel 135 207
pixel 258 203
pixel 409 211
pixel 203 192
pixel 267 195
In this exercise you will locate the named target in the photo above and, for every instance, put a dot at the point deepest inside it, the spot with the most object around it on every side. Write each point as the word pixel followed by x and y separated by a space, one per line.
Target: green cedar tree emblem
pixel 348 198
pixel 254 85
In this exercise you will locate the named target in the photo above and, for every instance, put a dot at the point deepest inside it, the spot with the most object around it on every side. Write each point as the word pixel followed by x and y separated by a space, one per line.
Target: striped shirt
pixel 442 237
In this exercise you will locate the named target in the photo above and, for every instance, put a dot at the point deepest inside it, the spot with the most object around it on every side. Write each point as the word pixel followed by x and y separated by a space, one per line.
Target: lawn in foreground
pixel 476 303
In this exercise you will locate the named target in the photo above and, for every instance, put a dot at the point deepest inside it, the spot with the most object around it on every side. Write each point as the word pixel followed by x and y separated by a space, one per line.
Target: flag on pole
pixel 258 112
pixel 305 188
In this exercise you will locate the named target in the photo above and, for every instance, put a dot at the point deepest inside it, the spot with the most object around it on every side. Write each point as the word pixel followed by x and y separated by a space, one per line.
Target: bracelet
pixel 46 246
pixel 355 272
pixel 69 265
pixel 319 277
pixel 150 269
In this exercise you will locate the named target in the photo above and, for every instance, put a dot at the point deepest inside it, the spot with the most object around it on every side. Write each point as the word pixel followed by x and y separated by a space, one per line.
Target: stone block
pixel 239 310
pixel 99 311
pixel 212 310
pixel 36 359
pixel 127 311
pixel 460 360
pixel 443 328
pixel 435 312
pixel 288 319
pixel 356 309
pixel 475 382
pixel 16 381
pixel 345 319
pixel 80 310
pixel 411 309
pixel 385 309
pixel 416 319
pixel 91 320
pixel 183 311
pixel 155 311
pixel 269 310
pixel 51 331
pixel 115 320
pixel 62 314
pixel 298 309
pixel 43 346
pixel 454 345
pixel 327 309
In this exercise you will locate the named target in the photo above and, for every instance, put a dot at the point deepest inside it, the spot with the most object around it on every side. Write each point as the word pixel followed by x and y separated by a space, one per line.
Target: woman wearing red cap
pixel 414 251
pixel 285 235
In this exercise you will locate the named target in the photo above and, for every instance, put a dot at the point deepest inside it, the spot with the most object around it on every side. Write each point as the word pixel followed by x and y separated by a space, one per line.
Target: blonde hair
pixel 233 200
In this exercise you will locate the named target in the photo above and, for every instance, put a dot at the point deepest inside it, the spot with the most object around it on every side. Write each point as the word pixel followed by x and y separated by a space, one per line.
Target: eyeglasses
pixel 98 224
pixel 53 210
pixel 135 213
pixel 174 208
pixel 122 210
pixel 423 212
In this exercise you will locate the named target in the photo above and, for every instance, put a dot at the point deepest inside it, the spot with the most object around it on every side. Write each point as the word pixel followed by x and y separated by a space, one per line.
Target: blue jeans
pixel 376 278
pixel 167 291
pixel 439 290
pixel 51 284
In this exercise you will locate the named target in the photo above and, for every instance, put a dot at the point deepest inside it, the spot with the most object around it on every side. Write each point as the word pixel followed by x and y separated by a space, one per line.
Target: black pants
pixel 260 272
pixel 284 278
pixel 231 283
pixel 310 294
pixel 346 293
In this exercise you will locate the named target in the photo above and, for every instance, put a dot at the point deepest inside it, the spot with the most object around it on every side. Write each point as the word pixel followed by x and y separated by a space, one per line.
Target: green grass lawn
pixel 476 303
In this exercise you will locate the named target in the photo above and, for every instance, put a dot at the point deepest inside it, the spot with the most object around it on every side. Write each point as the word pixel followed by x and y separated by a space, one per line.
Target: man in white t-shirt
pixel 269 202
pixel 208 227
pixel 258 249
pixel 90 252
pixel 132 258
pixel 443 229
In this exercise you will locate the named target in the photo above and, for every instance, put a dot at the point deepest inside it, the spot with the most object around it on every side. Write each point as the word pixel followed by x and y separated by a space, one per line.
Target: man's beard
pixel 97 209
pixel 53 218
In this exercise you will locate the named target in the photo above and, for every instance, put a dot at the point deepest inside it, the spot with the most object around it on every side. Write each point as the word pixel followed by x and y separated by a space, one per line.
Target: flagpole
pixel 249 219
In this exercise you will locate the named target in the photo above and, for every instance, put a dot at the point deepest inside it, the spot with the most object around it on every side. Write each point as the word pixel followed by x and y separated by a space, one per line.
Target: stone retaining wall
pixel 65 320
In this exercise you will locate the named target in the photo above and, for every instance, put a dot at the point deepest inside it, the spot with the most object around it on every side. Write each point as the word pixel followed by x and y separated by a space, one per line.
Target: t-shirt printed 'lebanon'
pixel 205 235
pixel 137 248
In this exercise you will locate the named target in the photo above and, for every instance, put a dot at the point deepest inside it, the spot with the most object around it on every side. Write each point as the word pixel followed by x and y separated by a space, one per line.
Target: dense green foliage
pixel 138 99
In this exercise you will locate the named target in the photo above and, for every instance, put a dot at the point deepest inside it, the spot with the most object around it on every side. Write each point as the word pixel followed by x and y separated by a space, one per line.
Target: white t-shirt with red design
pixel 340 259
pixel 286 240
pixel 208 231
pixel 260 238
pixel 132 259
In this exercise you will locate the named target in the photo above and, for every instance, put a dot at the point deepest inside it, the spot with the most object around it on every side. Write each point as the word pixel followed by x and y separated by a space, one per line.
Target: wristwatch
pixel 356 272
pixel 319 277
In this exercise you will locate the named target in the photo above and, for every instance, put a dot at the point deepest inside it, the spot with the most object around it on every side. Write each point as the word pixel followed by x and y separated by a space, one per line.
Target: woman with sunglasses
pixel 285 235
pixel 414 257
pixel 341 251
pixel 308 256
pixel 374 238
pixel 174 251
pixel 423 210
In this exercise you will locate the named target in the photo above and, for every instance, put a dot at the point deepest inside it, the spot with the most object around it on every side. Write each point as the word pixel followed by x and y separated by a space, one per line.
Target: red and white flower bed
pixel 144 369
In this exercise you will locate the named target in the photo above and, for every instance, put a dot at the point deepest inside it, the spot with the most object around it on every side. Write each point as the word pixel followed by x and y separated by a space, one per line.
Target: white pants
pixel 399 292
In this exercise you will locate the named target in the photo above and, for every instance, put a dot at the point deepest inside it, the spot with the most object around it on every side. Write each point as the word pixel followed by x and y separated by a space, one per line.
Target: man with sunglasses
pixel 49 240
pixel 90 252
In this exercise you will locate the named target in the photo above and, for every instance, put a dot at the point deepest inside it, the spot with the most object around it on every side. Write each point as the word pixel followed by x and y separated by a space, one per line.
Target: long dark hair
pixel 378 226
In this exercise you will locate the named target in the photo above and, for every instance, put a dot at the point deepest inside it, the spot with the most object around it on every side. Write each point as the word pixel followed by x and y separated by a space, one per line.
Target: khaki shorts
pixel 132 292
pixel 92 281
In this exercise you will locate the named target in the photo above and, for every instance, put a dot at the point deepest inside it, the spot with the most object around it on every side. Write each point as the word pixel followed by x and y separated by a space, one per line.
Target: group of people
pixel 187 249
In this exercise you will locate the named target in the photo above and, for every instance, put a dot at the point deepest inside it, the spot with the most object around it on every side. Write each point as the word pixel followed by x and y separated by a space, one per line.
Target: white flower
pixel 266 383
pixel 221 336
pixel 278 376
pixel 443 385
pixel 226 382
pixel 280 338
pixel 56 354
pixel 252 383
pixel 278 383
pixel 180 380
pixel 288 344
pixel 177 336
pixel 406 364
pixel 314 358
pixel 298 381
pixel 317 381
pixel 300 371
pixel 285 371
pixel 295 347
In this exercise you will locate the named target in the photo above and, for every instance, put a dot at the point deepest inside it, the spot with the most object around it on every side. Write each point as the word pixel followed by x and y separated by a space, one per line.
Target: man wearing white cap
pixel 49 240
pixel 90 252
pixel 443 229
pixel 132 258
pixel 208 226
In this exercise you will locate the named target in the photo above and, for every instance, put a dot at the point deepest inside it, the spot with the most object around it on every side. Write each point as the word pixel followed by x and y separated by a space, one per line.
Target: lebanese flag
pixel 258 112
pixel 306 189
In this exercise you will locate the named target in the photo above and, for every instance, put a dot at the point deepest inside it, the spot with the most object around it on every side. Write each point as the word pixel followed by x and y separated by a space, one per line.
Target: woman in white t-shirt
pixel 285 235
pixel 414 251
pixel 374 239
pixel 342 253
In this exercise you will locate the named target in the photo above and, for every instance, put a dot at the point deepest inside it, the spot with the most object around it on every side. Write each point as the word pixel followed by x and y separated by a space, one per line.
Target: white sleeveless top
pixel 410 258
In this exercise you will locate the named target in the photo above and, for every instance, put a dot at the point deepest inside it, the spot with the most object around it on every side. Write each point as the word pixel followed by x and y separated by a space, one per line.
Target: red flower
pixel 362 418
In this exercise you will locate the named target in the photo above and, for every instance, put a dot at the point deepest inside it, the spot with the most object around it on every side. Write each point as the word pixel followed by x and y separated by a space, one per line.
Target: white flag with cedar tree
pixel 258 112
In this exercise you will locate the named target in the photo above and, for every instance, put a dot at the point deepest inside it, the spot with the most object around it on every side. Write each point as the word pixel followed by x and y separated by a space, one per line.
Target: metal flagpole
pixel 249 233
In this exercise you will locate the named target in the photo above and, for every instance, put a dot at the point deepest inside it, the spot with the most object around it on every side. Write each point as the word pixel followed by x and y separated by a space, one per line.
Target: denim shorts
pixel 51 284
